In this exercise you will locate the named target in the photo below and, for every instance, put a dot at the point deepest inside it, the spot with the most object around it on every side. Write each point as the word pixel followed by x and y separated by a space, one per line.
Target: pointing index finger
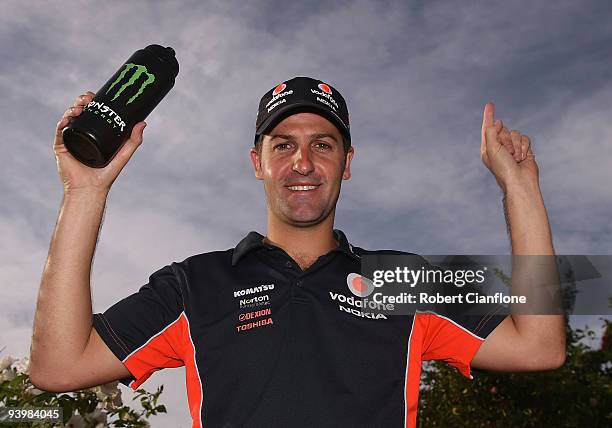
pixel 488 115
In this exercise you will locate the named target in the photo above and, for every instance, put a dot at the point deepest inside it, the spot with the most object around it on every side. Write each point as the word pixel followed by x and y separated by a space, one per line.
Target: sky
pixel 416 76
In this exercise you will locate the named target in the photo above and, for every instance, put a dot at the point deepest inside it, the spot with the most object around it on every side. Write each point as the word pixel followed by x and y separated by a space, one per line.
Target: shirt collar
pixel 344 246
pixel 254 240
pixel 250 242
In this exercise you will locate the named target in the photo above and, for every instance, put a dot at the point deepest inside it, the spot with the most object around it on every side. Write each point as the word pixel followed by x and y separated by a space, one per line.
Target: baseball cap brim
pixel 301 107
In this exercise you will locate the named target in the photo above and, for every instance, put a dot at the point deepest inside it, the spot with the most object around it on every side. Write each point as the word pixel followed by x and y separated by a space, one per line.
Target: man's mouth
pixel 303 188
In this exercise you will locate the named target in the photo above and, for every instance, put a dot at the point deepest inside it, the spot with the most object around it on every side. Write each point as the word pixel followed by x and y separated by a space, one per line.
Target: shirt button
pixel 299 282
pixel 289 264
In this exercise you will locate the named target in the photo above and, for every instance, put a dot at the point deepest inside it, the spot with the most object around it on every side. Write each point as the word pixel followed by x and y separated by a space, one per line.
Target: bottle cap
pixel 167 55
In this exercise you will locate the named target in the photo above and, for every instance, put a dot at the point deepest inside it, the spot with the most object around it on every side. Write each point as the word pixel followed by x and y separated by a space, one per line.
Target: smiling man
pixel 271 332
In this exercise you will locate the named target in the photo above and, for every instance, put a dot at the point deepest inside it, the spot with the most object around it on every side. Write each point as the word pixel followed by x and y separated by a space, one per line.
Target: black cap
pixel 302 94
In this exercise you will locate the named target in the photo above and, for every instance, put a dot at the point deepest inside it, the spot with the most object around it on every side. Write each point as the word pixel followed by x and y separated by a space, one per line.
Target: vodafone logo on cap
pixel 325 88
pixel 359 285
pixel 280 88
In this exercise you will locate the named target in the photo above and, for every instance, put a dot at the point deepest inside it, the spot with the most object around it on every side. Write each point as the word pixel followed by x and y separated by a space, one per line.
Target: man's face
pixel 302 165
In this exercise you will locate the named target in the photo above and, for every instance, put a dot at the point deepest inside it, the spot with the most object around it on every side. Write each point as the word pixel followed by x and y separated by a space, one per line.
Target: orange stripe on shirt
pixel 451 343
pixel 172 347
pixel 413 369
pixel 192 378
pixel 165 349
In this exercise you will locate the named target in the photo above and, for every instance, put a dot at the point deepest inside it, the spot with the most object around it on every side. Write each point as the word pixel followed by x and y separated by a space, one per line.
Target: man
pixel 264 330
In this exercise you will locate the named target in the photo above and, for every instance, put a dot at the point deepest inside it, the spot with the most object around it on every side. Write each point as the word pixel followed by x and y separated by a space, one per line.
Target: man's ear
pixel 256 161
pixel 347 163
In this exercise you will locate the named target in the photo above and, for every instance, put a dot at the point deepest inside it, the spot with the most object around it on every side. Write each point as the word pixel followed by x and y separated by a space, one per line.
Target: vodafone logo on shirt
pixel 357 305
pixel 359 285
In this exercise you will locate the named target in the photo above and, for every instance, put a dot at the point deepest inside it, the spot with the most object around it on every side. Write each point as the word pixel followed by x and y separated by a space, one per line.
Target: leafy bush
pixel 579 394
pixel 96 407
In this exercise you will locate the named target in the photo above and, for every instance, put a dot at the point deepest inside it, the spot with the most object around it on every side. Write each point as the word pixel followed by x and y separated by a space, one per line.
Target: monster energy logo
pixel 140 70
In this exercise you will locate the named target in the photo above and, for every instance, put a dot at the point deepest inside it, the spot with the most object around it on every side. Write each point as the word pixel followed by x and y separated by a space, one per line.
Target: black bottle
pixel 97 134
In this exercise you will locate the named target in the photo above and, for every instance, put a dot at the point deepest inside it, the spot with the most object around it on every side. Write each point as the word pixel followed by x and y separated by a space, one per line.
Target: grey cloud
pixel 416 76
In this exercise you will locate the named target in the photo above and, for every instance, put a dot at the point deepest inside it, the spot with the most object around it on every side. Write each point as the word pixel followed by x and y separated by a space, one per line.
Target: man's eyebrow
pixel 290 137
pixel 321 136
pixel 282 137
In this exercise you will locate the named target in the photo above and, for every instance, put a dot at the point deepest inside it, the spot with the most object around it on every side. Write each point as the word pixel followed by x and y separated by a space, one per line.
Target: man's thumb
pixel 136 135
pixel 130 146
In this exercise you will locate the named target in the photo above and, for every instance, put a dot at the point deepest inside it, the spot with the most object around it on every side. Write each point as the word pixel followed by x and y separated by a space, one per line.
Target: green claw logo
pixel 140 70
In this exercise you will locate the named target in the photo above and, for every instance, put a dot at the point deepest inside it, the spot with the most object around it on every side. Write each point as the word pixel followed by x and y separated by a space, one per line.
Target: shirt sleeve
pixel 457 341
pixel 147 330
pixel 455 332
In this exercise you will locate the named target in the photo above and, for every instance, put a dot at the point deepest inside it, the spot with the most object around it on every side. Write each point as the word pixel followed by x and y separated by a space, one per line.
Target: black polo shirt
pixel 267 344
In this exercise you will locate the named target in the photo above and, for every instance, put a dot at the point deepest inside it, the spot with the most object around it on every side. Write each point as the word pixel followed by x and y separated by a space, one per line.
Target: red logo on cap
pixel 280 88
pixel 325 88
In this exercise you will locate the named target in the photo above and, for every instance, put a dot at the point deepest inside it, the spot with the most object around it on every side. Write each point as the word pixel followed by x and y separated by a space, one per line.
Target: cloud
pixel 416 76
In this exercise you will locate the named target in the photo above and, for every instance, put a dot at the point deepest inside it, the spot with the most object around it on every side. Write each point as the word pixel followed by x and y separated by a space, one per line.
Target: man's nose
pixel 302 162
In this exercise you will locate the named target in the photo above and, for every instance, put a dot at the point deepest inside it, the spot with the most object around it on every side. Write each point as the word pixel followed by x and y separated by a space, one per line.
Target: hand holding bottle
pixel 77 176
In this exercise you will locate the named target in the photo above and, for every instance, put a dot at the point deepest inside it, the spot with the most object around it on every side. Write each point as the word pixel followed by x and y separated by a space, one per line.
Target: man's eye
pixel 281 146
pixel 322 145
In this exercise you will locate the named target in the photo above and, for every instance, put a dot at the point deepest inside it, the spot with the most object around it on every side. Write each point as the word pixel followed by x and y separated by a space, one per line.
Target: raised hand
pixel 76 176
pixel 506 153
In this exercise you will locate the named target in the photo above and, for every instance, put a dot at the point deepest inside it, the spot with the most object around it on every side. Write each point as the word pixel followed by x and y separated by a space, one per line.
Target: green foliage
pixel 93 407
pixel 576 395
